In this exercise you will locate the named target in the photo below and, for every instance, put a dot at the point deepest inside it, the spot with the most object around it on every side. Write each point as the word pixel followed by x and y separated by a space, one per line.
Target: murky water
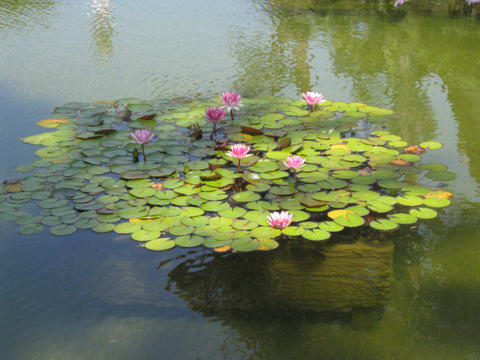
pixel 89 296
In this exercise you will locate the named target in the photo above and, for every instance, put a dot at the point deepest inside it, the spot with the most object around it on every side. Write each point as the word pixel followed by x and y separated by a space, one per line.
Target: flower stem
pixel 238 165
pixel 143 152
pixel 214 131
pixel 231 115
pixel 292 174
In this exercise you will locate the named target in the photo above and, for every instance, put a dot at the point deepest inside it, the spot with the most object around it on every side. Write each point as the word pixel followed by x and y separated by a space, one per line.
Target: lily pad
pixel 246 196
pixel 316 235
pixel 423 213
pixel 189 241
pixel 431 145
pixel 103 227
pixel 181 230
pixel 265 232
pixel 330 226
pixel 384 225
pixel 62 230
pixel 236 212
pixel 437 202
pixel 31 229
pixel 293 231
pixel 145 235
pixel 127 228
pixel 403 219
pixel 160 244
pixel 349 220
pixel 245 244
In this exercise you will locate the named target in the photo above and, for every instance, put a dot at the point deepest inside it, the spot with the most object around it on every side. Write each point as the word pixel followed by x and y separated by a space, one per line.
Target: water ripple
pixel 28 14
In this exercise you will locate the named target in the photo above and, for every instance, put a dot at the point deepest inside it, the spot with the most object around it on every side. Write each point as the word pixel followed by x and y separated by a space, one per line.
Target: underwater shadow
pixel 306 280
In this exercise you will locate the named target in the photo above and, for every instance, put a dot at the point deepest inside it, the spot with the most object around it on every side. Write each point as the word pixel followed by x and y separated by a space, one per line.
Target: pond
pixel 412 295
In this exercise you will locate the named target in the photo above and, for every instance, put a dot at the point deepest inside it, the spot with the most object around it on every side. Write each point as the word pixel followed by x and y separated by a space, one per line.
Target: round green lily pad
pixel 145 235
pixel 103 227
pixel 142 192
pixel 441 175
pixel 127 228
pixel 265 232
pixel 293 231
pixel 391 184
pixel 241 224
pixel 233 213
pixel 330 226
pixel 215 206
pixel 349 220
pixel 246 196
pixel 383 225
pixel 189 241
pixel 316 235
pixel 431 145
pixel 436 202
pixel 160 244
pixel 423 213
pixel 195 221
pixel 267 244
pixel 31 229
pixel 245 244
pixel 403 219
pixel 63 230
pixel 410 200
pixel 181 230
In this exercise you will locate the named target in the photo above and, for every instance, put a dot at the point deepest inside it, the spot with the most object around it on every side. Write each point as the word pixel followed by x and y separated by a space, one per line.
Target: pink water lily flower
pixel 231 100
pixel 400 2
pixel 294 162
pixel 142 136
pixel 471 2
pixel 313 98
pixel 239 151
pixel 280 220
pixel 215 114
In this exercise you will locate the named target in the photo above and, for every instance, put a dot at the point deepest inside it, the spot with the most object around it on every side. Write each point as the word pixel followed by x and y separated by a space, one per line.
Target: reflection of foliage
pixel 23 13
pixel 279 301
pixel 398 58
pixel 102 29
pixel 296 278
pixel 389 59
pixel 384 68
pixel 285 62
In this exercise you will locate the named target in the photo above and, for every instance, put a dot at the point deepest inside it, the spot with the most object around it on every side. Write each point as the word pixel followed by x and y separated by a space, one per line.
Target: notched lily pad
pixel 316 235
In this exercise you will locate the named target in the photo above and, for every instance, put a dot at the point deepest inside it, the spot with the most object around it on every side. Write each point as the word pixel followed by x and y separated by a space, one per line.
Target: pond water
pixel 91 296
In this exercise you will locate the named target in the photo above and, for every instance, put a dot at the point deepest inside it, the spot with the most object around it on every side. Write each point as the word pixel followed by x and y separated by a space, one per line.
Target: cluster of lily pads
pixel 192 192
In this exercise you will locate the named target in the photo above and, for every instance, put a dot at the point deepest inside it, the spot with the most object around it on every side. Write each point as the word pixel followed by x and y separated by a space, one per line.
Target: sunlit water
pixel 89 296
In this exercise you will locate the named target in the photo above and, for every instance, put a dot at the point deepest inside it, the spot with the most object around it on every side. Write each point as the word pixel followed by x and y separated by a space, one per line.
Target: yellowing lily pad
pixel 51 123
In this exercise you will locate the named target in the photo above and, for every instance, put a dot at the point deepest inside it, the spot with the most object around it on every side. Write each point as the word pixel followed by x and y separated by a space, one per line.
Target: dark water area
pixel 411 295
